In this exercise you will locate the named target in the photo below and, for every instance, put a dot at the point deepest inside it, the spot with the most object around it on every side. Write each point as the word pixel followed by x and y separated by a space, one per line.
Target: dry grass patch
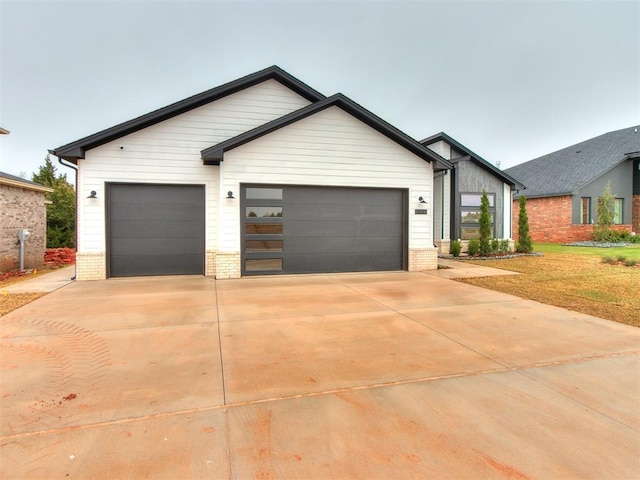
pixel 576 282
pixel 11 301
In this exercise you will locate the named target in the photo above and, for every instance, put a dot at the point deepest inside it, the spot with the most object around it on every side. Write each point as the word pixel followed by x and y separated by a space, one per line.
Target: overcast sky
pixel 511 80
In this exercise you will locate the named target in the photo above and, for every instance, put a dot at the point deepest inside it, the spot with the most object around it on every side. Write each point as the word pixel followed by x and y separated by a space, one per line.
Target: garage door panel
pixel 168 212
pixel 300 212
pixel 156 229
pixel 337 262
pixel 145 265
pixel 346 245
pixel 342 228
pixel 156 246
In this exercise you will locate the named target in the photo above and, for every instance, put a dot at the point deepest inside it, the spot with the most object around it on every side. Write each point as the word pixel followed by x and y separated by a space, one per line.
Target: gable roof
pixel 475 158
pixel 567 170
pixel 12 180
pixel 76 150
pixel 215 154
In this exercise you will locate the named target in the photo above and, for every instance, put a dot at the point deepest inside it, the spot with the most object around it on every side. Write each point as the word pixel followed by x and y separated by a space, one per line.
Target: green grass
pixel 629 252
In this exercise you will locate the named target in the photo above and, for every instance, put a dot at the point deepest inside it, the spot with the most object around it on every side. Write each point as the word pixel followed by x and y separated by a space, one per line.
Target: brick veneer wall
pixel 22 208
pixel 550 221
pixel 423 259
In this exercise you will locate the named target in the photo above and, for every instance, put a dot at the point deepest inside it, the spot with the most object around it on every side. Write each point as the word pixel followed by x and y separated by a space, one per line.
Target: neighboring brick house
pixel 22 206
pixel 563 187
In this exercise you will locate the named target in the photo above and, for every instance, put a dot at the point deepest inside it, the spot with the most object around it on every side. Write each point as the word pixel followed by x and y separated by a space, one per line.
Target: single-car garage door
pixel 155 229
pixel 293 229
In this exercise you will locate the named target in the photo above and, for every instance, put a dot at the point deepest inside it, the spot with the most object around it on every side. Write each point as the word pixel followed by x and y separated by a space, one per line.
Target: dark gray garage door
pixel 155 229
pixel 322 229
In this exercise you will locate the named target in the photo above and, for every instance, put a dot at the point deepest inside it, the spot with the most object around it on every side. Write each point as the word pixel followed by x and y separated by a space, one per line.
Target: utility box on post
pixel 23 234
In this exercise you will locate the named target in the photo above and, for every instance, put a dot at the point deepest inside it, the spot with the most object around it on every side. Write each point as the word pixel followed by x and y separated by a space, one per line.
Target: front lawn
pixel 630 251
pixel 573 278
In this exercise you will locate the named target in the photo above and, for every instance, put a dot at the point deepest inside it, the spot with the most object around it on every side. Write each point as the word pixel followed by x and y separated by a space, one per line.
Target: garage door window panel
pixel 263 242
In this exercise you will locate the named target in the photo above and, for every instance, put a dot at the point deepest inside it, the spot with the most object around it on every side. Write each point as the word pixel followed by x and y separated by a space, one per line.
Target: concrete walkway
pixel 457 269
pixel 46 283
pixel 391 375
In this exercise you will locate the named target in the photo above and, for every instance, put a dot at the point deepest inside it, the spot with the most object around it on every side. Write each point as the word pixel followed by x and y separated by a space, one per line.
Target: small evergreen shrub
pixel 621 258
pixel 495 246
pixel 630 262
pixel 485 226
pixel 525 244
pixel 455 248
pixel 474 246
pixel 504 246
pixel 602 231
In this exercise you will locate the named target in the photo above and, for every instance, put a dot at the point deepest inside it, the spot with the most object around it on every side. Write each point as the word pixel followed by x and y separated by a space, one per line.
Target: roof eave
pixel 76 150
pixel 215 154
pixel 475 158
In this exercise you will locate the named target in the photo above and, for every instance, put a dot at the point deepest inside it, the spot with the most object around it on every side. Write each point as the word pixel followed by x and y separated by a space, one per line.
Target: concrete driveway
pixel 393 375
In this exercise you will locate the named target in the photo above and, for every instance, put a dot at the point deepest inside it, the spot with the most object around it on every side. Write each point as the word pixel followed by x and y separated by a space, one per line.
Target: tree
pixel 61 213
pixel 602 231
pixel 485 226
pixel 525 245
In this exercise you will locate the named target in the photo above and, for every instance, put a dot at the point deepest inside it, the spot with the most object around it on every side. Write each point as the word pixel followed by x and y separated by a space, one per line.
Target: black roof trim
pixel 475 157
pixel 76 150
pixel 215 154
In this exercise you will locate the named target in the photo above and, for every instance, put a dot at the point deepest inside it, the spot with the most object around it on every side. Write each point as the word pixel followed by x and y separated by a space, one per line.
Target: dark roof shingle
pixel 571 168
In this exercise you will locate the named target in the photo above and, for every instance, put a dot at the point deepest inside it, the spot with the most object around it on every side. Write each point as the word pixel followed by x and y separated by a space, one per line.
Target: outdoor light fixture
pixel 93 194
pixel 422 200
pixel 230 194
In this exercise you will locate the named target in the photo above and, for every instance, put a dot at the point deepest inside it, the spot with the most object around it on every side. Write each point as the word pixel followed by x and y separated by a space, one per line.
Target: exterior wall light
pixel 421 200
pixel 230 194
pixel 93 194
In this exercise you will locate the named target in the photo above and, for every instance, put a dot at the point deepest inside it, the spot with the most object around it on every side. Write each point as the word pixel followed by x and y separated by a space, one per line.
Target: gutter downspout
pixel 62 161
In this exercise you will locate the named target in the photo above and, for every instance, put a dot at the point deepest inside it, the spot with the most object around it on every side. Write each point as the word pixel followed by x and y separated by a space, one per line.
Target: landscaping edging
pixel 495 257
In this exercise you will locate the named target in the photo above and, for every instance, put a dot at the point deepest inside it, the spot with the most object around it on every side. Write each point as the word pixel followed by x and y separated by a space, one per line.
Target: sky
pixel 511 80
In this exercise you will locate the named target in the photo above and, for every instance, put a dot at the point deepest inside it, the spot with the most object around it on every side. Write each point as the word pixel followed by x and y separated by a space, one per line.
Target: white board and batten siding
pixel 507 226
pixel 329 148
pixel 169 152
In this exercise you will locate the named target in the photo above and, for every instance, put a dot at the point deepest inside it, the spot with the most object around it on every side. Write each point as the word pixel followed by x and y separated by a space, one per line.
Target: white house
pixel 262 175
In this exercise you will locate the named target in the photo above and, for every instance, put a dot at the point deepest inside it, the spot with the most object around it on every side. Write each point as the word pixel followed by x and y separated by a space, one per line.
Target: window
pixel 618 209
pixel 585 210
pixel 470 214
pixel 618 204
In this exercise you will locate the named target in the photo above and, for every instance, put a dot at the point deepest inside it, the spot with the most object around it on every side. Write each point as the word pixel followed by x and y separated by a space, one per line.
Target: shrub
pixel 504 246
pixel 630 262
pixel 474 245
pixel 485 226
pixel 495 245
pixel 455 248
pixel 608 259
pixel 621 258
pixel 602 231
pixel 524 245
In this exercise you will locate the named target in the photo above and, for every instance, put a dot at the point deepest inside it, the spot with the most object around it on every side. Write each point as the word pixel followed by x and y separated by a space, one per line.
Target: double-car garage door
pixel 160 229
pixel 296 229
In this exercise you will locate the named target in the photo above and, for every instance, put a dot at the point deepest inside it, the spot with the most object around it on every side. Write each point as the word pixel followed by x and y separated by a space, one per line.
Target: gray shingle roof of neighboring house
pixel 567 170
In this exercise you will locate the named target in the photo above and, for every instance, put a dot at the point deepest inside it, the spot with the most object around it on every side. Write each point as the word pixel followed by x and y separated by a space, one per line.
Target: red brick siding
pixel 550 221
